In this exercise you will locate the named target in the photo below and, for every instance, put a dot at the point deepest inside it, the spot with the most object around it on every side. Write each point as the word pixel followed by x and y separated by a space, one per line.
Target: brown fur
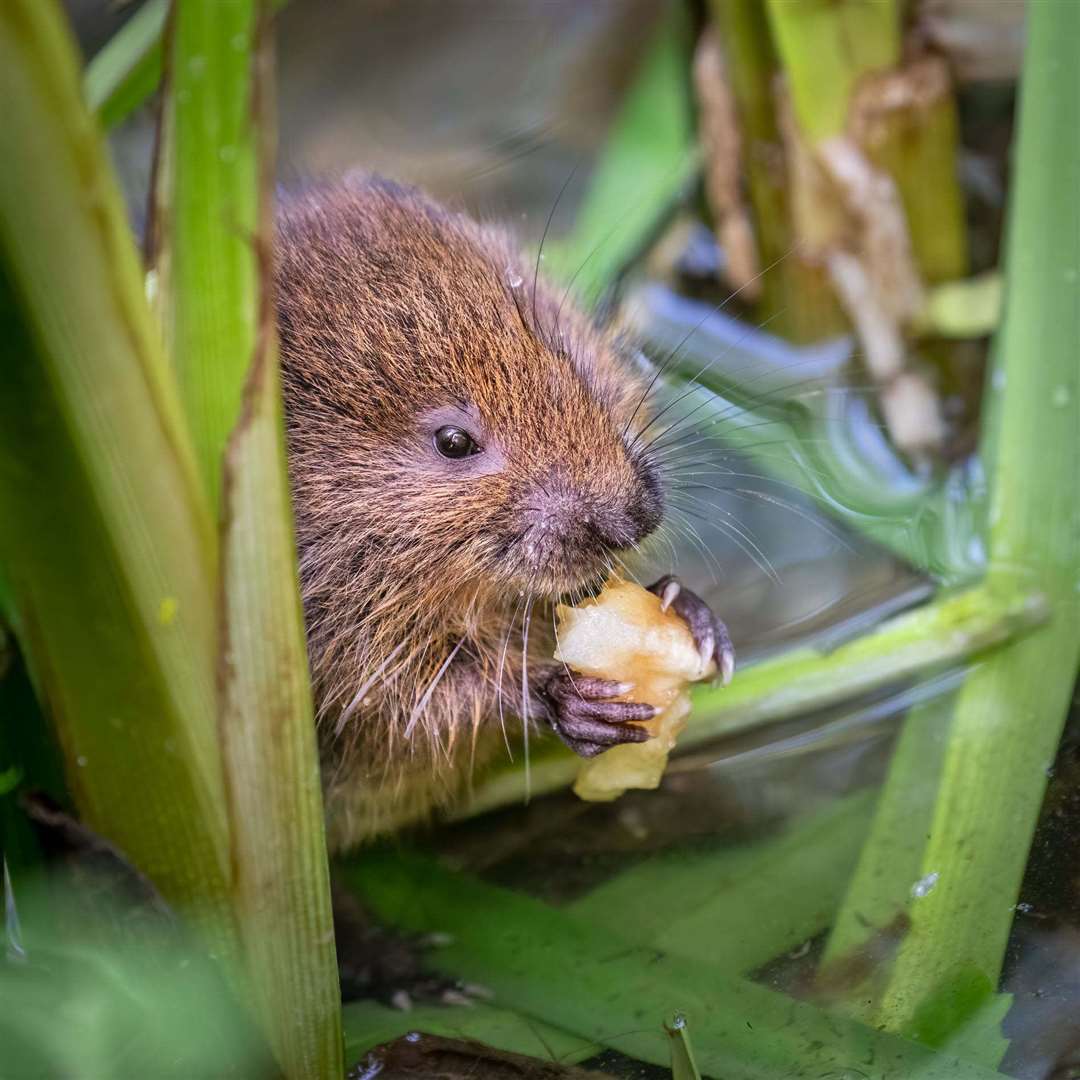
pixel 397 315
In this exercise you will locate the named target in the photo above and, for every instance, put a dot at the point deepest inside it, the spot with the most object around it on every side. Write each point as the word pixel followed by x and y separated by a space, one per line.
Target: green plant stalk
pixel 587 980
pixel 827 51
pixel 826 46
pixel 870 918
pixel 127 69
pixel 797 300
pixel 1011 709
pixel 280 874
pixel 105 537
pixel 683 1062
pixel 945 632
pixel 649 159
pixel 206 219
pixel 215 245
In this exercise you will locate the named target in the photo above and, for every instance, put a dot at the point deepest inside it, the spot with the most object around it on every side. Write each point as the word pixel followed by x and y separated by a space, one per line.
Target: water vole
pixel 463 449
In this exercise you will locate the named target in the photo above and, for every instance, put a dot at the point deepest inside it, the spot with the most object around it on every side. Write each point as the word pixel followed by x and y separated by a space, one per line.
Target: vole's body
pixel 400 320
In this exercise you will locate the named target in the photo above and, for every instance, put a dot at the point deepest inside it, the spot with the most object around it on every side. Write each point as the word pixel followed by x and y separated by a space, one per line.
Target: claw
pixel 670 594
pixel 706 648
pixel 710 634
pixel 727 665
pixel 586 718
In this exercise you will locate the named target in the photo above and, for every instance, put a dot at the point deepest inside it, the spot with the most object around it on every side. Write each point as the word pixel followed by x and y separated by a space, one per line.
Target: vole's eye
pixel 453 442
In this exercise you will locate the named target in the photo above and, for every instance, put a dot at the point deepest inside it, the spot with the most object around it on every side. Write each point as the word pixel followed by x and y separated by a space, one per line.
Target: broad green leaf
pixel 368 1024
pixel 744 905
pixel 589 981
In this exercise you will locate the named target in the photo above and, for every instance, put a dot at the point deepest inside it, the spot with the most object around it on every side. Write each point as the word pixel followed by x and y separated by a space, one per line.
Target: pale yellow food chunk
pixel 623 635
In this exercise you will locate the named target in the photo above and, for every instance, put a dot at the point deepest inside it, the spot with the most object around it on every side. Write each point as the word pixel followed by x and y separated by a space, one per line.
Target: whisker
pixel 422 704
pixel 690 333
pixel 365 688
pixel 543 237
pixel 525 693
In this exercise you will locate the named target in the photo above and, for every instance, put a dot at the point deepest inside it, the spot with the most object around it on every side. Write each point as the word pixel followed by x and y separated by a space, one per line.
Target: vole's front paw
pixel 710 634
pixel 583 715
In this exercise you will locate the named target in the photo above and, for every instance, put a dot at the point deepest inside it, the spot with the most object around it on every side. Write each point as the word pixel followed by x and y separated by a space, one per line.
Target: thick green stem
pixel 871 918
pixel 214 241
pixel 1010 711
pixel 916 143
pixel 206 219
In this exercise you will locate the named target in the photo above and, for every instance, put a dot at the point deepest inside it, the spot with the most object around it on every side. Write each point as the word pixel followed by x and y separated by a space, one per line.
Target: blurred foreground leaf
pixel 104 534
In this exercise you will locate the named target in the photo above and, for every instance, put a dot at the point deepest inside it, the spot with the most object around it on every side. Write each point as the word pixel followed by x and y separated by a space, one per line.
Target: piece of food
pixel 623 635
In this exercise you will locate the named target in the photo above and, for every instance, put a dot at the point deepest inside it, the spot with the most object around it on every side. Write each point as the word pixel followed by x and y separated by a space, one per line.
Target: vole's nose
pixel 592 520
pixel 623 526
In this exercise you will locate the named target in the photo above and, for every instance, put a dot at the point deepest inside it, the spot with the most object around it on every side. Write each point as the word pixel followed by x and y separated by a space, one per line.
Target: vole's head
pixel 449 421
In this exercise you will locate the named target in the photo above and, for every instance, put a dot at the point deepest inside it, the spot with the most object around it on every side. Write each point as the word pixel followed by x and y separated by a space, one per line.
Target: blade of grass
pixel 104 533
pixel 215 239
pixel 127 69
pixel 683 1063
pixel 587 980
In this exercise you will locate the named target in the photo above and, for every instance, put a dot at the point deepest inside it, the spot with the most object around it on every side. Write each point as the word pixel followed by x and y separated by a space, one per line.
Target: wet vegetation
pixel 863 862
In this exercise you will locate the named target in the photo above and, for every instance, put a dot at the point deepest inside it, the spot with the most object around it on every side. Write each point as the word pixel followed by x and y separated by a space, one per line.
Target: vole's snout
pixel 568 535
pixel 624 526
